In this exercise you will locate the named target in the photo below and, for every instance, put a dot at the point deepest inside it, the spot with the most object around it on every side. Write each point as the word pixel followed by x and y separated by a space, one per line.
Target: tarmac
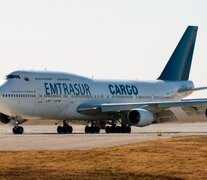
pixel 45 137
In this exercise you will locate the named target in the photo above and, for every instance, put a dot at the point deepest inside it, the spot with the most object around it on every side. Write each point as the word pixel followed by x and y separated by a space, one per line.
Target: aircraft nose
pixel 2 98
pixel 1 94
pixel 2 88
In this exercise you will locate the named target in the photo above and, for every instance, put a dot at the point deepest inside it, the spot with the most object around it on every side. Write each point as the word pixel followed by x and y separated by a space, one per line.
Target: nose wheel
pixel 18 130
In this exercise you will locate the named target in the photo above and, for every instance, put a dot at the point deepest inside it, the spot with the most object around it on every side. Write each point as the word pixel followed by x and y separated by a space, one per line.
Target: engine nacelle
pixel 4 118
pixel 140 117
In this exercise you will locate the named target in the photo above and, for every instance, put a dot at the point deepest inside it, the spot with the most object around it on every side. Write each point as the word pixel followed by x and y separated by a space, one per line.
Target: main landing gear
pixel 118 129
pixel 108 129
pixel 16 121
pixel 66 128
pixel 114 128
pixel 92 129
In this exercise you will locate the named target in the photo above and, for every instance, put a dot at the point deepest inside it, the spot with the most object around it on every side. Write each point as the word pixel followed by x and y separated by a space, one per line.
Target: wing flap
pixel 166 116
pixel 191 111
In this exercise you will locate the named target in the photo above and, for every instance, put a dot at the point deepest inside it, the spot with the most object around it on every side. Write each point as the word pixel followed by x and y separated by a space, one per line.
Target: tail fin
pixel 178 66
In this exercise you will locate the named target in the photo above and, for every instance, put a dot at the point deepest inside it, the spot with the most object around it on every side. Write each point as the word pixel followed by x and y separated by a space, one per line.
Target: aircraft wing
pixel 192 90
pixel 154 107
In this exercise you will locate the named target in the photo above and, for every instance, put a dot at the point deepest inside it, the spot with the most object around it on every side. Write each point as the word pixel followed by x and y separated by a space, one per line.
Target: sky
pixel 110 39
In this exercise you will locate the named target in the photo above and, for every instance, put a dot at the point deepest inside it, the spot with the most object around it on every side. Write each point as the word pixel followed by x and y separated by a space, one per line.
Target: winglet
pixel 179 64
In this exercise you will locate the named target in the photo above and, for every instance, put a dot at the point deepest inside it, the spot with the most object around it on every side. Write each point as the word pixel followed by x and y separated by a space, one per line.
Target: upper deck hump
pixel 52 75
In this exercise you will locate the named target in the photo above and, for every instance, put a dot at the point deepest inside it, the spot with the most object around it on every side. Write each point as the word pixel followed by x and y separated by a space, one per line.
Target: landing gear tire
pixel 87 129
pixel 14 130
pixel 59 129
pixel 97 129
pixel 18 130
pixel 107 129
pixel 65 130
pixel 118 129
pixel 70 129
pixel 123 129
pixel 128 129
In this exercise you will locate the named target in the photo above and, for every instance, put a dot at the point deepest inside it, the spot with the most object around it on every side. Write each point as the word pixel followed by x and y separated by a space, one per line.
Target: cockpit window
pixel 26 78
pixel 12 76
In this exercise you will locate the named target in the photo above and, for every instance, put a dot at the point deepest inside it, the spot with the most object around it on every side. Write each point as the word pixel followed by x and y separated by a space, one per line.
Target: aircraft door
pixel 39 97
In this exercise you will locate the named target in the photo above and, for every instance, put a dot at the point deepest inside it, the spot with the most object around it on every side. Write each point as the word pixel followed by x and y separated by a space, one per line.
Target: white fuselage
pixel 56 95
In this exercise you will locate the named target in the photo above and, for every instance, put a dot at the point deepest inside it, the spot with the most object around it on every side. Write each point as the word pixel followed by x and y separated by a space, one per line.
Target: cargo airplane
pixel 112 105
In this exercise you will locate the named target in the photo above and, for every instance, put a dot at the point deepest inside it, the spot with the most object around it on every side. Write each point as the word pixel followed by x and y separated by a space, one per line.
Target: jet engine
pixel 140 117
pixel 4 118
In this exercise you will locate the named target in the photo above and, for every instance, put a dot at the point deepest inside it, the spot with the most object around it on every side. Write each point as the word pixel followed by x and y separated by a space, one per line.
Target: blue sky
pixel 115 39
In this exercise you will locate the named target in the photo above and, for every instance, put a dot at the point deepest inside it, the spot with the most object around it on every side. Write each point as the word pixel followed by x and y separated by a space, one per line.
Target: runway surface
pixel 44 137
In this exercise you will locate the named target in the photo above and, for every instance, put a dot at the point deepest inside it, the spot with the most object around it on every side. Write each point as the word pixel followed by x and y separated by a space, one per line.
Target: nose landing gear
pixel 16 121
pixel 18 130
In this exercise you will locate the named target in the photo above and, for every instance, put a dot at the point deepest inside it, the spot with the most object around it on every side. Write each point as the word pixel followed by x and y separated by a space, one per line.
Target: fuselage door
pixel 39 96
